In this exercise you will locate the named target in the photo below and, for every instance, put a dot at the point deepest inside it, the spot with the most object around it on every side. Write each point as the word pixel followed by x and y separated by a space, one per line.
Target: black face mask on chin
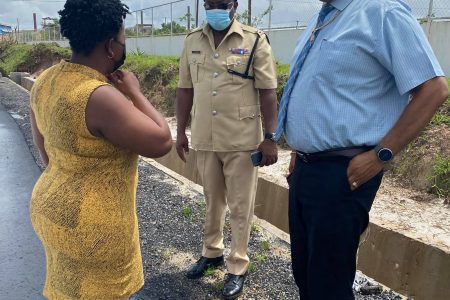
pixel 118 64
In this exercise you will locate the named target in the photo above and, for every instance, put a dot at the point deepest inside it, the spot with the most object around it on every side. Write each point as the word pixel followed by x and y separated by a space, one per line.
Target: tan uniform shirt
pixel 226 113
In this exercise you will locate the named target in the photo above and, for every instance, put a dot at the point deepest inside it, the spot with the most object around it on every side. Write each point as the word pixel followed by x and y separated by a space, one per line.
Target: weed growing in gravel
pixel 219 285
pixel 260 258
pixel 255 228
pixel 187 212
pixel 168 253
pixel 265 245
pixel 202 209
pixel 210 272
pixel 251 267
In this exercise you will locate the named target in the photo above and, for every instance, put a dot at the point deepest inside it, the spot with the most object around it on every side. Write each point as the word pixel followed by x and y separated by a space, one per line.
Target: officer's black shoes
pixel 198 269
pixel 234 286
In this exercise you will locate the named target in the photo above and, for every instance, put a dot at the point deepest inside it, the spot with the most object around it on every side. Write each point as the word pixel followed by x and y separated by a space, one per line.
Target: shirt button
pixel 214 112
pixel 214 93
pixel 216 55
pixel 216 75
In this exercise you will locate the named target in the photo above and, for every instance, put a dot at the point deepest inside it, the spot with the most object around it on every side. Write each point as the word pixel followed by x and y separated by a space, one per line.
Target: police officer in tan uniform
pixel 227 84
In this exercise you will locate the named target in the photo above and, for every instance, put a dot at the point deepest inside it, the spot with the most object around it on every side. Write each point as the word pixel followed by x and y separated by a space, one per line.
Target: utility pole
pixel 249 21
pixel 35 22
pixel 196 13
pixel 189 18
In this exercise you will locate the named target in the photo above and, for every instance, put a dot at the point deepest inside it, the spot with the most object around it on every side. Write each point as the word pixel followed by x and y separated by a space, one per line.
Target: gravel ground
pixel 170 213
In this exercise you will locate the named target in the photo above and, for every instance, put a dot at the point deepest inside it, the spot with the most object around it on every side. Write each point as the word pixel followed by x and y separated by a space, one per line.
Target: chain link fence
pixel 179 16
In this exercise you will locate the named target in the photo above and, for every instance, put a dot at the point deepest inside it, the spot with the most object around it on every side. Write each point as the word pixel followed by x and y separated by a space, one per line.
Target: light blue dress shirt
pixel 357 78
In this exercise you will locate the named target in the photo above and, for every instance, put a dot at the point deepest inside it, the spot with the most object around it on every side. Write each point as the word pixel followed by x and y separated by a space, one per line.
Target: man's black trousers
pixel 326 220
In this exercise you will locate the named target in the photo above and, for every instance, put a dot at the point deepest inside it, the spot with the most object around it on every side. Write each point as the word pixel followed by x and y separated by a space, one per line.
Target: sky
pixel 285 12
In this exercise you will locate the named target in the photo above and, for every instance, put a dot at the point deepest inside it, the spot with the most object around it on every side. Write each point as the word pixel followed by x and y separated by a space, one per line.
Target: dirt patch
pixel 415 166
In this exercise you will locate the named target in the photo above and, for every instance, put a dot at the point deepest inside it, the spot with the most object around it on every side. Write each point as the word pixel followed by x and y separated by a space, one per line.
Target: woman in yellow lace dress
pixel 83 206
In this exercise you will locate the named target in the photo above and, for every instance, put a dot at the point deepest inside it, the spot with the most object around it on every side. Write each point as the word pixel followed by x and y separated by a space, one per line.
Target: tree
pixel 165 29
pixel 188 17
pixel 256 20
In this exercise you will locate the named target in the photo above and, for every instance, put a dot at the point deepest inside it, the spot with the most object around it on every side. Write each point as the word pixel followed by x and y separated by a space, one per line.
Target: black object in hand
pixel 256 158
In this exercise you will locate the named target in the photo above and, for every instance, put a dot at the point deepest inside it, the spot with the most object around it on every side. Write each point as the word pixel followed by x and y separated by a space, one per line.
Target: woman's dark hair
pixel 88 22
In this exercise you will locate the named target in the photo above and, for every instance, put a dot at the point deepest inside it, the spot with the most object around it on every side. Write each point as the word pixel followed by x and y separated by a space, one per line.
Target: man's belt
pixel 333 154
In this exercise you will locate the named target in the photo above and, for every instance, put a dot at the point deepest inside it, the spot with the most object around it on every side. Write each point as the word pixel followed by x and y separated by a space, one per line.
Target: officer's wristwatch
pixel 384 154
pixel 270 136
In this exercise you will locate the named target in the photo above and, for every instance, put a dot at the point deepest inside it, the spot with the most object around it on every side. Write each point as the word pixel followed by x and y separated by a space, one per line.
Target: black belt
pixel 333 154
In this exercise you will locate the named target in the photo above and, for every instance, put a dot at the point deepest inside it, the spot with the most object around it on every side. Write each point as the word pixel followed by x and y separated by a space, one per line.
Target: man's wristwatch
pixel 384 154
pixel 270 136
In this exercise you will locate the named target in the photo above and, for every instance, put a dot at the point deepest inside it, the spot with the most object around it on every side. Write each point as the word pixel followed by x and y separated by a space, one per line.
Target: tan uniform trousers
pixel 228 178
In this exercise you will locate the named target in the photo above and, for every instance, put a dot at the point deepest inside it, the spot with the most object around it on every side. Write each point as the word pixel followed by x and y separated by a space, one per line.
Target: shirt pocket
pixel 249 112
pixel 196 64
pixel 238 64
pixel 336 58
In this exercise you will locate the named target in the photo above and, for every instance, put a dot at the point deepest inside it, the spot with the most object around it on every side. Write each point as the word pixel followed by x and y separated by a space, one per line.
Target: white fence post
pixel 430 18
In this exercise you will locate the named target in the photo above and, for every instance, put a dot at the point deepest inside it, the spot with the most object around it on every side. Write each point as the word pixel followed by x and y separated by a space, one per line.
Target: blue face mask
pixel 218 19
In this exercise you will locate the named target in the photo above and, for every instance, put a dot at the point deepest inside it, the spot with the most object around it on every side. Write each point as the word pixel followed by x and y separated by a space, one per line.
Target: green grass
pixel 441 177
pixel 13 57
pixel 27 58
pixel 439 119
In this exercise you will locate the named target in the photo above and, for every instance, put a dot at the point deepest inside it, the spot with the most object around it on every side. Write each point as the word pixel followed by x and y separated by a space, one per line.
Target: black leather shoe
pixel 198 269
pixel 234 286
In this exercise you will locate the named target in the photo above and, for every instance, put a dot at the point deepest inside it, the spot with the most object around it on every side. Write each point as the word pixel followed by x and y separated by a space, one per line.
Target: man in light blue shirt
pixel 364 82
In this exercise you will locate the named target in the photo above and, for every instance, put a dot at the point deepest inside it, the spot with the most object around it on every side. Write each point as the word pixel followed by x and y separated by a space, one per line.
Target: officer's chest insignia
pixel 239 51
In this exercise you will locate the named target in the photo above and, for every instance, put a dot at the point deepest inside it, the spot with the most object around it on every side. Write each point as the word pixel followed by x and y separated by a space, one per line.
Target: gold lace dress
pixel 83 207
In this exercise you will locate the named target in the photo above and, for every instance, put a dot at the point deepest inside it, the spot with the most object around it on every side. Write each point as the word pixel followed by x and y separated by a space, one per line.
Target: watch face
pixel 385 154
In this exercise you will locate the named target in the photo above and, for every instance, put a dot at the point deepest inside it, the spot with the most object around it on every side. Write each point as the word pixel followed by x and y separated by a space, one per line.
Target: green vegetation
pixel 187 211
pixel 31 58
pixel 440 119
pixel 255 228
pixel 265 245
pixel 441 177
pixel 219 285
pixel 210 272
pixel 251 267
pixel 168 253
pixel 260 258
pixel 158 77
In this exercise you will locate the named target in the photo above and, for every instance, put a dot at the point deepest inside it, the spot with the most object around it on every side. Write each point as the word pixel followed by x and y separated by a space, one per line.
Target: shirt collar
pixel 340 4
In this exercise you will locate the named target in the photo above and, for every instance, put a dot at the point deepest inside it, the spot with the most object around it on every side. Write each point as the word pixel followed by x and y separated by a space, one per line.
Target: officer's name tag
pixel 239 51
pixel 196 52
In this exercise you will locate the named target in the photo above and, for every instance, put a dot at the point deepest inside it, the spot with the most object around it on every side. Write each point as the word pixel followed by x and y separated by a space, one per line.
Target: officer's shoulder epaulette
pixel 249 28
pixel 253 30
pixel 198 29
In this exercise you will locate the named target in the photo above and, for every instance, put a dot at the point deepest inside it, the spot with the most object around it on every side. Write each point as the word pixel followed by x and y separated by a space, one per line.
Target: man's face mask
pixel 121 61
pixel 219 18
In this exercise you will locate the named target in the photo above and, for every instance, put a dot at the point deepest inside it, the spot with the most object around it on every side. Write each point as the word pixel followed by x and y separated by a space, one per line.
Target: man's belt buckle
pixel 303 157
